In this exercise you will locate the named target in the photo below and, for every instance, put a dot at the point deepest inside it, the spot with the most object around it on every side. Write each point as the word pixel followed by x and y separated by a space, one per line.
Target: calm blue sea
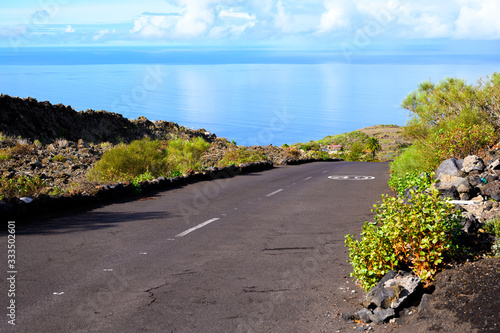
pixel 252 97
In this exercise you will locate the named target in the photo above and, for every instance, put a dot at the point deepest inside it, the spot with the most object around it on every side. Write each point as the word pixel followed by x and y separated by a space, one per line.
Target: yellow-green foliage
pixel 449 119
pixel 156 158
pixel 5 154
pixel 241 155
pixel 125 162
pixel 21 186
pixel 419 233
pixel 185 156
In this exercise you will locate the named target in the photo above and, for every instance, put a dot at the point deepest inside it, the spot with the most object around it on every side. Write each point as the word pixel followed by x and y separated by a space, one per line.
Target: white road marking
pixel 58 294
pixel 108 270
pixel 307 178
pixel 351 177
pixel 182 234
pixel 326 171
pixel 143 253
pixel 275 192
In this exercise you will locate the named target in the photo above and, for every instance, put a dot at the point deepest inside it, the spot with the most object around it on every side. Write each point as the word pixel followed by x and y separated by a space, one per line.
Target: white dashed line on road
pixel 275 192
pixel 307 178
pixel 182 234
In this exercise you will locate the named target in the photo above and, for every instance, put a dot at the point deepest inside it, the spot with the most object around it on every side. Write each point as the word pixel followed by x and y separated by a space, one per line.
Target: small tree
pixel 373 145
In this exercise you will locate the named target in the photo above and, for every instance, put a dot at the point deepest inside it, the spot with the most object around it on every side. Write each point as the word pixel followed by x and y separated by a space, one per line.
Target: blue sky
pixel 238 23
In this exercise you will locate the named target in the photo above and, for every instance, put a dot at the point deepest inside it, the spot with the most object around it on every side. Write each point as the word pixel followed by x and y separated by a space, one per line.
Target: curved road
pixel 262 252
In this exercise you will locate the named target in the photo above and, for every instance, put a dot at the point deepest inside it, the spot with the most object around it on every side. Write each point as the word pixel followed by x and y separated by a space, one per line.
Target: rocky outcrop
pixel 43 121
pixel 477 180
pixel 387 297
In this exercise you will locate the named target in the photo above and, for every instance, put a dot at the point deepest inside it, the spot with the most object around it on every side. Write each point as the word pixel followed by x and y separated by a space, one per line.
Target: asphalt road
pixel 262 252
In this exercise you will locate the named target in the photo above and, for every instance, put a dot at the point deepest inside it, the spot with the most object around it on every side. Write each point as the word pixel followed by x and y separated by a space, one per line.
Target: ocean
pixel 253 97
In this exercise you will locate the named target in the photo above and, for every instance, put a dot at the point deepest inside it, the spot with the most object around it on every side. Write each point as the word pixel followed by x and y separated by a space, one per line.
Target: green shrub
pixel 449 119
pixel 185 155
pixel 136 183
pixel 239 156
pixel 415 159
pixel 356 152
pixel 21 186
pixel 419 234
pixel 323 155
pixel 125 162
pixel 461 140
pixel 421 181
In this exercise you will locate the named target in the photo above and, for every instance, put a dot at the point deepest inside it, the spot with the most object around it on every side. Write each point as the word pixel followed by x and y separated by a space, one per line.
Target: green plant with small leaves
pixel 136 183
pixel 420 233
pixel 414 180
pixel 21 186
pixel 241 155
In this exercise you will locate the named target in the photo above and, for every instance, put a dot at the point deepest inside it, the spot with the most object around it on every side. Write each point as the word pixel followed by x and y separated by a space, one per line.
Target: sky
pixel 245 23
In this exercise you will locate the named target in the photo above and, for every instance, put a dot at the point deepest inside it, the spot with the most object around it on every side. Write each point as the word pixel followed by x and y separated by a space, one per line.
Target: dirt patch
pixel 465 299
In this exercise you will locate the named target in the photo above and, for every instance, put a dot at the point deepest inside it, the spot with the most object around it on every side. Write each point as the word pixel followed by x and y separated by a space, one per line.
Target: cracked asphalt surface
pixel 262 252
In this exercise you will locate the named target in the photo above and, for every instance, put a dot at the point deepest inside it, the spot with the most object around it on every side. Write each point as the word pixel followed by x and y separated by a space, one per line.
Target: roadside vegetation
pixel 147 159
pixel 417 229
pixel 240 155
pixel 449 119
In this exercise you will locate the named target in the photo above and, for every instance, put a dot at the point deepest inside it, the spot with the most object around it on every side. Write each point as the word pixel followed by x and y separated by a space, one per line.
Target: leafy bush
pixel 125 162
pixel 461 140
pixel 323 155
pixel 356 152
pixel 419 234
pixel 450 119
pixel 136 183
pixel 420 181
pixel 415 159
pixel 185 155
pixel 239 156
pixel 21 186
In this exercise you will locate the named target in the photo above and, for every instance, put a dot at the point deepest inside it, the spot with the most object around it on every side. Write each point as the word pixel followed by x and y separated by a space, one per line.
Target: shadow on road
pixel 89 221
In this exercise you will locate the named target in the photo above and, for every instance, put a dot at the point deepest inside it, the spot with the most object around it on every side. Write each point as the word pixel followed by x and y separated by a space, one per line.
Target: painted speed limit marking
pixel 351 177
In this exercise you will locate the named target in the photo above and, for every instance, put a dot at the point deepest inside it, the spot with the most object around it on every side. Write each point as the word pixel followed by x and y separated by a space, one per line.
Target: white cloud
pixel 197 17
pixel 314 21
pixel 479 20
pixel 102 33
pixel 282 18
pixel 236 14
pixel 151 26
pixel 337 16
